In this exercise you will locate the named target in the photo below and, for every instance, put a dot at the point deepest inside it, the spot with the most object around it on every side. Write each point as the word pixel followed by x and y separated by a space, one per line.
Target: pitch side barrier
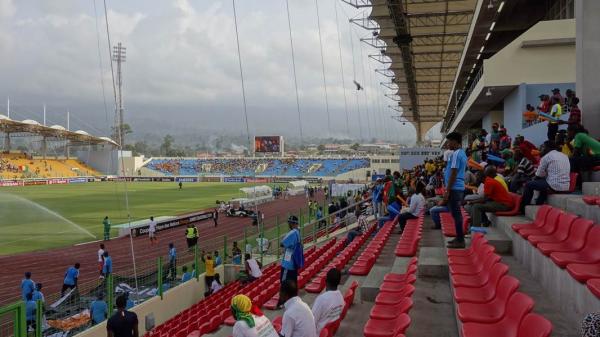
pixel 45 181
pixel 193 218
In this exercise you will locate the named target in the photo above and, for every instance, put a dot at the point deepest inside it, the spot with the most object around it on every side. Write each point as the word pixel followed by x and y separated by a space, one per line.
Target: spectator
pixel 30 311
pixel 98 309
pixel 360 229
pixel 495 135
pixel 70 280
pixel 455 186
pixel 218 259
pixel 557 96
pixel 252 269
pixel 552 175
pixel 106 224
pixel 236 253
pixel 216 217
pixel 298 320
pixel 262 244
pixel 586 150
pixel 107 269
pixel 209 267
pixel 328 306
pixel 555 113
pixel 293 257
pixel 497 199
pixel 393 210
pixel 524 172
pixel 378 198
pixel 123 323
pixel 27 286
pixel 574 112
pixel 249 320
pixel 128 301
pixel 101 259
pixel 417 203
pixel 544 105
pixel 505 142
pixel 186 274
pixel 37 294
pixel 216 285
pixel 526 147
pixel 172 261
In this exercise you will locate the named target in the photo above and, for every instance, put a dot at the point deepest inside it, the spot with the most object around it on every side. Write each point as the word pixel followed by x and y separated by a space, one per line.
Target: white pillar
pixel 587 65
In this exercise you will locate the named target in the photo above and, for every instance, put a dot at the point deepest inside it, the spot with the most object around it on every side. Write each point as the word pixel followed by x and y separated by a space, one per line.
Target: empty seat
pixel 574 242
pixel 483 261
pixel 540 218
pixel 563 227
pixel 548 227
pixel 392 298
pixel 481 279
pixel 383 312
pixel 590 253
pixel 489 312
pixel 386 328
pixel 488 292
pixel 517 307
pixel 594 286
pixel 534 325
pixel 583 272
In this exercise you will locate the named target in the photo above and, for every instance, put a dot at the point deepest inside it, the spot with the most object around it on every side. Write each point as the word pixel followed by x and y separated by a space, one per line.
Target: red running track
pixel 48 267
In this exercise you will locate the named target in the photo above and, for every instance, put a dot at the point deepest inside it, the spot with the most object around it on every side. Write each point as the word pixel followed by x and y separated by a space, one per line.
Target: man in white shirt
pixel 417 203
pixel 263 244
pixel 298 319
pixel 252 269
pixel 553 174
pixel 329 305
pixel 152 231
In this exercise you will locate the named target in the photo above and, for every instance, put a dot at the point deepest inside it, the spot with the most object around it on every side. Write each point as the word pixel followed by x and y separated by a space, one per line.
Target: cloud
pixel 182 65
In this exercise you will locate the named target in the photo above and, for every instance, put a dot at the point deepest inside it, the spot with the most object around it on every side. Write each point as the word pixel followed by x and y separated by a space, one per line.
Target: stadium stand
pixel 19 165
pixel 259 166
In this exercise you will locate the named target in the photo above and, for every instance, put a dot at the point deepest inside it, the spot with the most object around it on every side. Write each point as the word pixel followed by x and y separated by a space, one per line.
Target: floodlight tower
pixel 119 57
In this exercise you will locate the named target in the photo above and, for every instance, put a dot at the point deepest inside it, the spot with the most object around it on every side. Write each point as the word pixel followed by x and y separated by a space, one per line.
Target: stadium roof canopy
pixel 421 42
pixel 54 132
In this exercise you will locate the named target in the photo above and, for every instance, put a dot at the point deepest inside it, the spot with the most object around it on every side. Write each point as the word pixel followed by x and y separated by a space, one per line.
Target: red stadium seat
pixel 488 293
pixel 387 298
pixel 489 312
pixel 547 228
pixel 538 222
pixel 590 253
pixel 565 220
pixel 575 242
pixel 517 307
pixel 484 262
pixel 477 240
pixel 384 312
pixel 481 279
pixel 534 325
pixel 583 272
pixel 386 328
pixel 594 286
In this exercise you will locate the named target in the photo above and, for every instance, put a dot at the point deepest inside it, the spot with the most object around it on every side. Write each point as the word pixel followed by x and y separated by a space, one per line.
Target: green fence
pixel 154 276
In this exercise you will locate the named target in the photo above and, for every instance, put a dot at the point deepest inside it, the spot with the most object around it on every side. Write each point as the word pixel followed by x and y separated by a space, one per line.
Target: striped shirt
pixel 526 168
pixel 555 167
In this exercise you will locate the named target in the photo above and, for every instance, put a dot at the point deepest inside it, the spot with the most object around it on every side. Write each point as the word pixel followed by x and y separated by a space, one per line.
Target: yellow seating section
pixel 44 168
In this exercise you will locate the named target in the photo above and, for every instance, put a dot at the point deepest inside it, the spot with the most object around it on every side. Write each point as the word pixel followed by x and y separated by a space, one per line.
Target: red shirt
pixel 526 147
pixel 494 190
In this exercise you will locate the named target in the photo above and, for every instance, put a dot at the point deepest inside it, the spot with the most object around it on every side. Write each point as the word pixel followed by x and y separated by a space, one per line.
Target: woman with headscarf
pixel 250 321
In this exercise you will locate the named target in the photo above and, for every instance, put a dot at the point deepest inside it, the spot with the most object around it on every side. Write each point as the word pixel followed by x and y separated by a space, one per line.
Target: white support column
pixel 587 55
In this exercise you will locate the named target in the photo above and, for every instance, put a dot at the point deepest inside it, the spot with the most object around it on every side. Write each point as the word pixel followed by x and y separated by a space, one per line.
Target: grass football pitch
pixel 48 216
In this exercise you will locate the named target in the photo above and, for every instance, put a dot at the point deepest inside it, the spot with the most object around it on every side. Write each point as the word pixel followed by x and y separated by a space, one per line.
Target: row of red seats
pixel 411 236
pixel 571 242
pixel 367 258
pixel 318 283
pixel 448 223
pixel 332 327
pixel 389 316
pixel 303 277
pixel 209 313
pixel 488 303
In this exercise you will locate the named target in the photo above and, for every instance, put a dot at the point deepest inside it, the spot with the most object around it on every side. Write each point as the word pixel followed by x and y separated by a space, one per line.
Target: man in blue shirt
pixel 186 274
pixel 37 294
pixel 377 197
pixel 98 310
pixel 107 268
pixel 30 309
pixel 454 178
pixel 70 281
pixel 218 259
pixel 292 243
pixel 27 286
pixel 172 261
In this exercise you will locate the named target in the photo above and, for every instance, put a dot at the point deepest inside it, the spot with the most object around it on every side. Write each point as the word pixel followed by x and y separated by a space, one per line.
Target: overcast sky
pixel 182 69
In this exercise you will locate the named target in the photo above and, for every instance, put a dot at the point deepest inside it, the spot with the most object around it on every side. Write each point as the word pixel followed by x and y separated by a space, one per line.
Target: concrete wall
pixel 553 61
pixel 103 158
pixel 588 68
pixel 174 301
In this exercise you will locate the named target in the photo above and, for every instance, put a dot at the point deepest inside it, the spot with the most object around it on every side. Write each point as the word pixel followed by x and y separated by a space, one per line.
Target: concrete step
pixel 591 188
pixel 531 211
pixel 577 206
pixel 433 262
pixel 591 176
pixel 497 238
pixel 560 200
